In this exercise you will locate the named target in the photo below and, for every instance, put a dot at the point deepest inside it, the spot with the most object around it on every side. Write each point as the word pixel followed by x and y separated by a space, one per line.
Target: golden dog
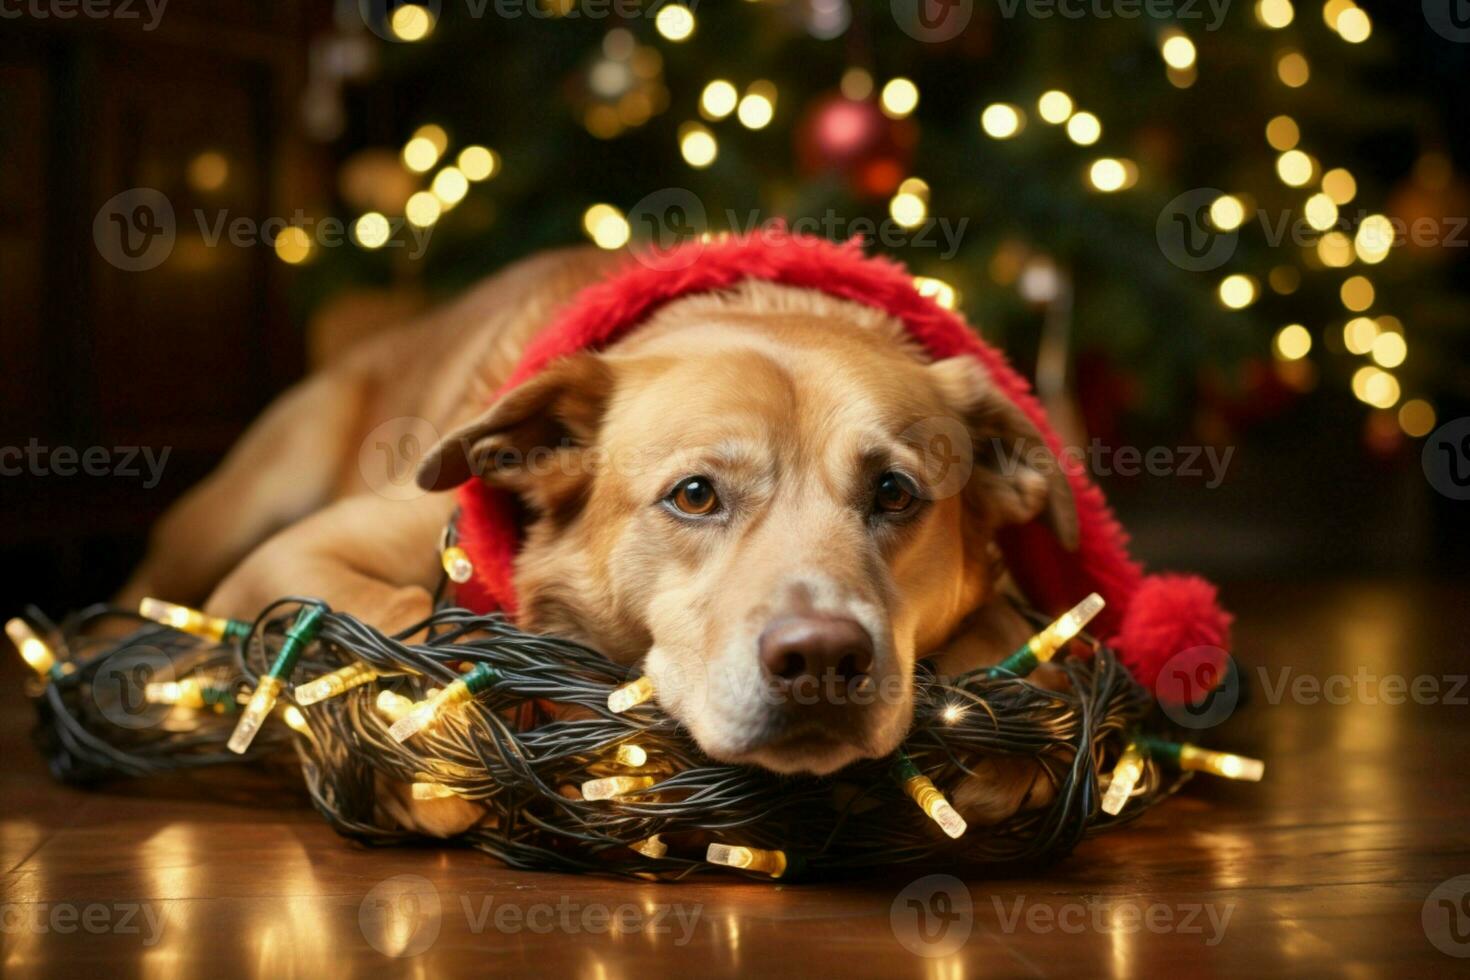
pixel 736 494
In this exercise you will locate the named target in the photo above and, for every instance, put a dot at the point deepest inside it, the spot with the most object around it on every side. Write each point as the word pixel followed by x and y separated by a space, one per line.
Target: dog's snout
pixel 816 646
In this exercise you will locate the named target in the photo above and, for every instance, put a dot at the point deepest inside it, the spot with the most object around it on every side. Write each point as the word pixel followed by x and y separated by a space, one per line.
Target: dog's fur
pixel 790 401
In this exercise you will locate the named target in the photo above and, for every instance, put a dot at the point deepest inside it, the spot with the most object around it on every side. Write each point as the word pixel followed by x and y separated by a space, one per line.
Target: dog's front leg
pixel 376 559
pixel 1002 785
pixel 368 556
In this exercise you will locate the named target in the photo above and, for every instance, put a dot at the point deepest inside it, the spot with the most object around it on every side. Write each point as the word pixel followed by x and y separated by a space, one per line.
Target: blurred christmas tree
pixel 1200 211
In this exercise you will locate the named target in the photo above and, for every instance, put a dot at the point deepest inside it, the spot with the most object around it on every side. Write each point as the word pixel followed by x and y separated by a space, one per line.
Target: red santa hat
pixel 1149 620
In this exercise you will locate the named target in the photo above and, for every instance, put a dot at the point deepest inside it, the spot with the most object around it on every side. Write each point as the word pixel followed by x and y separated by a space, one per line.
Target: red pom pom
pixel 1174 620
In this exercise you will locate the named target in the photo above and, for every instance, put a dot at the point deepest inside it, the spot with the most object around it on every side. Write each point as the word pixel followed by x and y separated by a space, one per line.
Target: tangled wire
pixel 542 727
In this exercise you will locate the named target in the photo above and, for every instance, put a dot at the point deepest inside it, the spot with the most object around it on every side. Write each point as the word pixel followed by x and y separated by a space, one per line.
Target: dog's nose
pixel 816 646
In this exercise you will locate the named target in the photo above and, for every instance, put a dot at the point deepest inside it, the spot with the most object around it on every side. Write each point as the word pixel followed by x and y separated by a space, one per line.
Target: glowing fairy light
pixel 1001 120
pixel 1126 775
pixel 630 695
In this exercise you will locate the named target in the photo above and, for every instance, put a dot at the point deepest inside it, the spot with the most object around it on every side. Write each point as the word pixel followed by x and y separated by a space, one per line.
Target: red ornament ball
pixel 853 138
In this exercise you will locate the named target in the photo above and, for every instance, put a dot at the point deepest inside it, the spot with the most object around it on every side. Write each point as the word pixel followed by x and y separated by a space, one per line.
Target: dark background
pixel 184 356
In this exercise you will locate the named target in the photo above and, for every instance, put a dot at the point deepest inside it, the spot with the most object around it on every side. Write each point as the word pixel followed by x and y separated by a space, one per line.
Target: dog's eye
pixel 694 496
pixel 892 495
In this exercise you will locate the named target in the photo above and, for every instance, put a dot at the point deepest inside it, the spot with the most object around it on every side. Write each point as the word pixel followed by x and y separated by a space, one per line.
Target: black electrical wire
pixel 523 747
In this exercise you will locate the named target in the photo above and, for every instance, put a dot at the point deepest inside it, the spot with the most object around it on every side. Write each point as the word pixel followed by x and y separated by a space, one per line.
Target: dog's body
pixel 735 494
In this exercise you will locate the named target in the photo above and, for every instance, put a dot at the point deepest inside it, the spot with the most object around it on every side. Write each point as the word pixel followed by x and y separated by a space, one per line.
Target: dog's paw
pixel 1001 787
pixel 446 817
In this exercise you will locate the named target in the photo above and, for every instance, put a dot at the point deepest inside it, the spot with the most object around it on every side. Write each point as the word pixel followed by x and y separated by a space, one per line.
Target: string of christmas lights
pixel 575 765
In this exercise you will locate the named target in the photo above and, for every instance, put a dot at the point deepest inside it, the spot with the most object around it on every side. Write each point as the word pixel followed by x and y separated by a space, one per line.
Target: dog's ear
pixel 1015 476
pixel 534 439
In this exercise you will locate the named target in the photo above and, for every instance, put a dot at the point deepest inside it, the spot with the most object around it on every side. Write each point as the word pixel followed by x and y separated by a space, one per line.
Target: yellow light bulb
pixel 1417 418
pixel 630 695
pixel 187 620
pixel 1293 342
pixel 257 710
pixel 718 99
pixel 478 162
pixel 675 22
pixel 1294 168
pixel 938 290
pixel 420 154
pixel 1054 107
pixel 1340 185
pixel 773 863
pixel 1084 129
pixel 697 145
pixel 921 790
pixel 1283 134
pixel 756 109
pixel 606 226
pixel 1227 764
pixel 613 786
pixel 1389 350
pixel 1238 291
pixel 1321 211
pixel 1108 175
pixel 372 230
pixel 456 563
pixel 899 98
pixel 33 650
pixel 1227 213
pixel 1001 120
pixel 422 209
pixel 1178 51
pixel 450 185
pixel 331 685
pixel 1126 775
pixel 393 705
pixel 1045 644
pixel 631 754
pixel 1292 69
pixel 908 210
pixel 295 719
pixel 1374 239
pixel 424 790
pixel 1335 250
pixel 411 22
pixel 1275 14
pixel 293 245
pixel 1354 26
pixel 1358 294
pixel 651 847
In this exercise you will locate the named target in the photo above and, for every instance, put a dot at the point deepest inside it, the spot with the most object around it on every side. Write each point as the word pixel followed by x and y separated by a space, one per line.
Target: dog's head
pixel 772 498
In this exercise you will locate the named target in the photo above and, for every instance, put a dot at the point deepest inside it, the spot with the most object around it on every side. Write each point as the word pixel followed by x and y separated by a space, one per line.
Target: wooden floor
pixel 1333 864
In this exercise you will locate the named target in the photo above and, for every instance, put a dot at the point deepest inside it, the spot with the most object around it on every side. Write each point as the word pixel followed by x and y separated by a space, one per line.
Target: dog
pixel 737 495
